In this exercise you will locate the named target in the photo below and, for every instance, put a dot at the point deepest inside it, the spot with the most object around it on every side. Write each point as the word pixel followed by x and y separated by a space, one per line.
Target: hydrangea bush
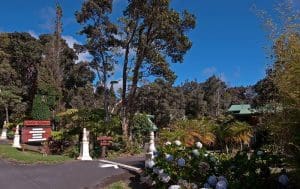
pixel 177 166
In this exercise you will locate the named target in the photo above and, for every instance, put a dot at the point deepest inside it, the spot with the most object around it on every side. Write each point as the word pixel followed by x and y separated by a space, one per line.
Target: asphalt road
pixel 71 175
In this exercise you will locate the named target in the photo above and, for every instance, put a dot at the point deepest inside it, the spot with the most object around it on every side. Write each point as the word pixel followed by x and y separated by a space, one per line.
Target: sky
pixel 228 40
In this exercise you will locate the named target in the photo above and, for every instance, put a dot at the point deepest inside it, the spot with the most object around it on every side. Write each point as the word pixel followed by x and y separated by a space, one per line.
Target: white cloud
pixel 70 40
pixel 33 34
pixel 209 71
pixel 84 57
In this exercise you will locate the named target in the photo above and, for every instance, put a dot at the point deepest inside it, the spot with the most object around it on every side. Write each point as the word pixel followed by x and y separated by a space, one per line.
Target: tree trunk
pixel 227 149
pixel 6 114
pixel 125 123
pixel 241 146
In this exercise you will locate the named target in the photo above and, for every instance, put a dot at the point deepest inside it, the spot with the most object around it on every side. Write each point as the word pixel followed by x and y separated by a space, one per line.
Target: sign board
pixel 35 131
pixel 105 140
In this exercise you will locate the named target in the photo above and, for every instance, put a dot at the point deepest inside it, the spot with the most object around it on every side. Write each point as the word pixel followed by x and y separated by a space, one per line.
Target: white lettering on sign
pixel 37 134
pixel 36 139
pixel 37 131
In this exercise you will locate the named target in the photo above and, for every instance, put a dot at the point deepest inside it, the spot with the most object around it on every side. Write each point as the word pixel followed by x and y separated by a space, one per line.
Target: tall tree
pixel 10 95
pixel 195 106
pixel 100 32
pixel 162 100
pixel 214 95
pixel 155 33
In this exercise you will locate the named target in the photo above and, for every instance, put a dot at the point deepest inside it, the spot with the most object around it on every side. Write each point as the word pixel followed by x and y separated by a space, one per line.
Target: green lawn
pixel 13 154
pixel 118 185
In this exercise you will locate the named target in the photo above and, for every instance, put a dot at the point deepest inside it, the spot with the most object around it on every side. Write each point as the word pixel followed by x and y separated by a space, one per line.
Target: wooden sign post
pixel 35 131
pixel 104 142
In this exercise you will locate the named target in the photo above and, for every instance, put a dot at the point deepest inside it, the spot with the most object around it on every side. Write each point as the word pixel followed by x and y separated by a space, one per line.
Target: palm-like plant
pixel 232 132
pixel 190 131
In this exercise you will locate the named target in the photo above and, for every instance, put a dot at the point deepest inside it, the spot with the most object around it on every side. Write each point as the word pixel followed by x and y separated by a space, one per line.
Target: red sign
pixel 35 131
pixel 105 140
pixel 35 134
pixel 37 123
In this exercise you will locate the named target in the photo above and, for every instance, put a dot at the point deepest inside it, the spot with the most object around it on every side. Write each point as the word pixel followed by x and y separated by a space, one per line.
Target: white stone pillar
pixel 84 149
pixel 16 143
pixel 152 148
pixel 149 159
pixel 4 131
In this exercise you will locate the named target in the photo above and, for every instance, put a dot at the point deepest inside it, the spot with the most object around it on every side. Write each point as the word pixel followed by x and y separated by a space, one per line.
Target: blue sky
pixel 228 40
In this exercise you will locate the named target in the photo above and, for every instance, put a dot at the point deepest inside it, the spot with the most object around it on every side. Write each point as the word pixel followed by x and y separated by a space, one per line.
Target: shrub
pixel 40 109
pixel 192 166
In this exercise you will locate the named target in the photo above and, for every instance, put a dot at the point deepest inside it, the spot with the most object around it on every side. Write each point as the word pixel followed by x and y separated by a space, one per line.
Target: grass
pixel 118 185
pixel 13 154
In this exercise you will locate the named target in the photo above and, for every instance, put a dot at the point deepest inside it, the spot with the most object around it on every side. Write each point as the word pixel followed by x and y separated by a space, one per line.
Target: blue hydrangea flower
pixel 169 157
pixel 212 180
pixel 221 185
pixel 222 178
pixel 283 179
pixel 181 162
pixel 206 185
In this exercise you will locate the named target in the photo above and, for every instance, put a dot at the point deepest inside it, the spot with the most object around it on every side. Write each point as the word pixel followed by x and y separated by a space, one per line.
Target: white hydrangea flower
pixel 155 170
pixel 196 152
pixel 149 164
pixel 165 178
pixel 177 142
pixel 168 143
pixel 199 145
pixel 174 187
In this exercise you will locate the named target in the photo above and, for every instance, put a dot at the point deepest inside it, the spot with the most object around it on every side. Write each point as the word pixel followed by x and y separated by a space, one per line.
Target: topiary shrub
pixel 40 109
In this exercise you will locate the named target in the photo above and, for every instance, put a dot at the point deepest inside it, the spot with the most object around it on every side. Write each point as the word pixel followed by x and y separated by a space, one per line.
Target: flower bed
pixel 178 166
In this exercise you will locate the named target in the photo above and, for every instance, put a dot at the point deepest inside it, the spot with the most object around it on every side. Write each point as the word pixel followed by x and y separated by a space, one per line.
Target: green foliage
pixel 221 133
pixel 243 170
pixel 140 128
pixel 251 170
pixel 190 131
pixel 40 110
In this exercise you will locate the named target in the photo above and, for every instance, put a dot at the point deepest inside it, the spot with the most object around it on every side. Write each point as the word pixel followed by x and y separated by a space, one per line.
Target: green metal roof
pixel 241 109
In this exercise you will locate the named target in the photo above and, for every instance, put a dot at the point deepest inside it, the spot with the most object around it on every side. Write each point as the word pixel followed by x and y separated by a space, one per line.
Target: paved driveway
pixel 72 175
